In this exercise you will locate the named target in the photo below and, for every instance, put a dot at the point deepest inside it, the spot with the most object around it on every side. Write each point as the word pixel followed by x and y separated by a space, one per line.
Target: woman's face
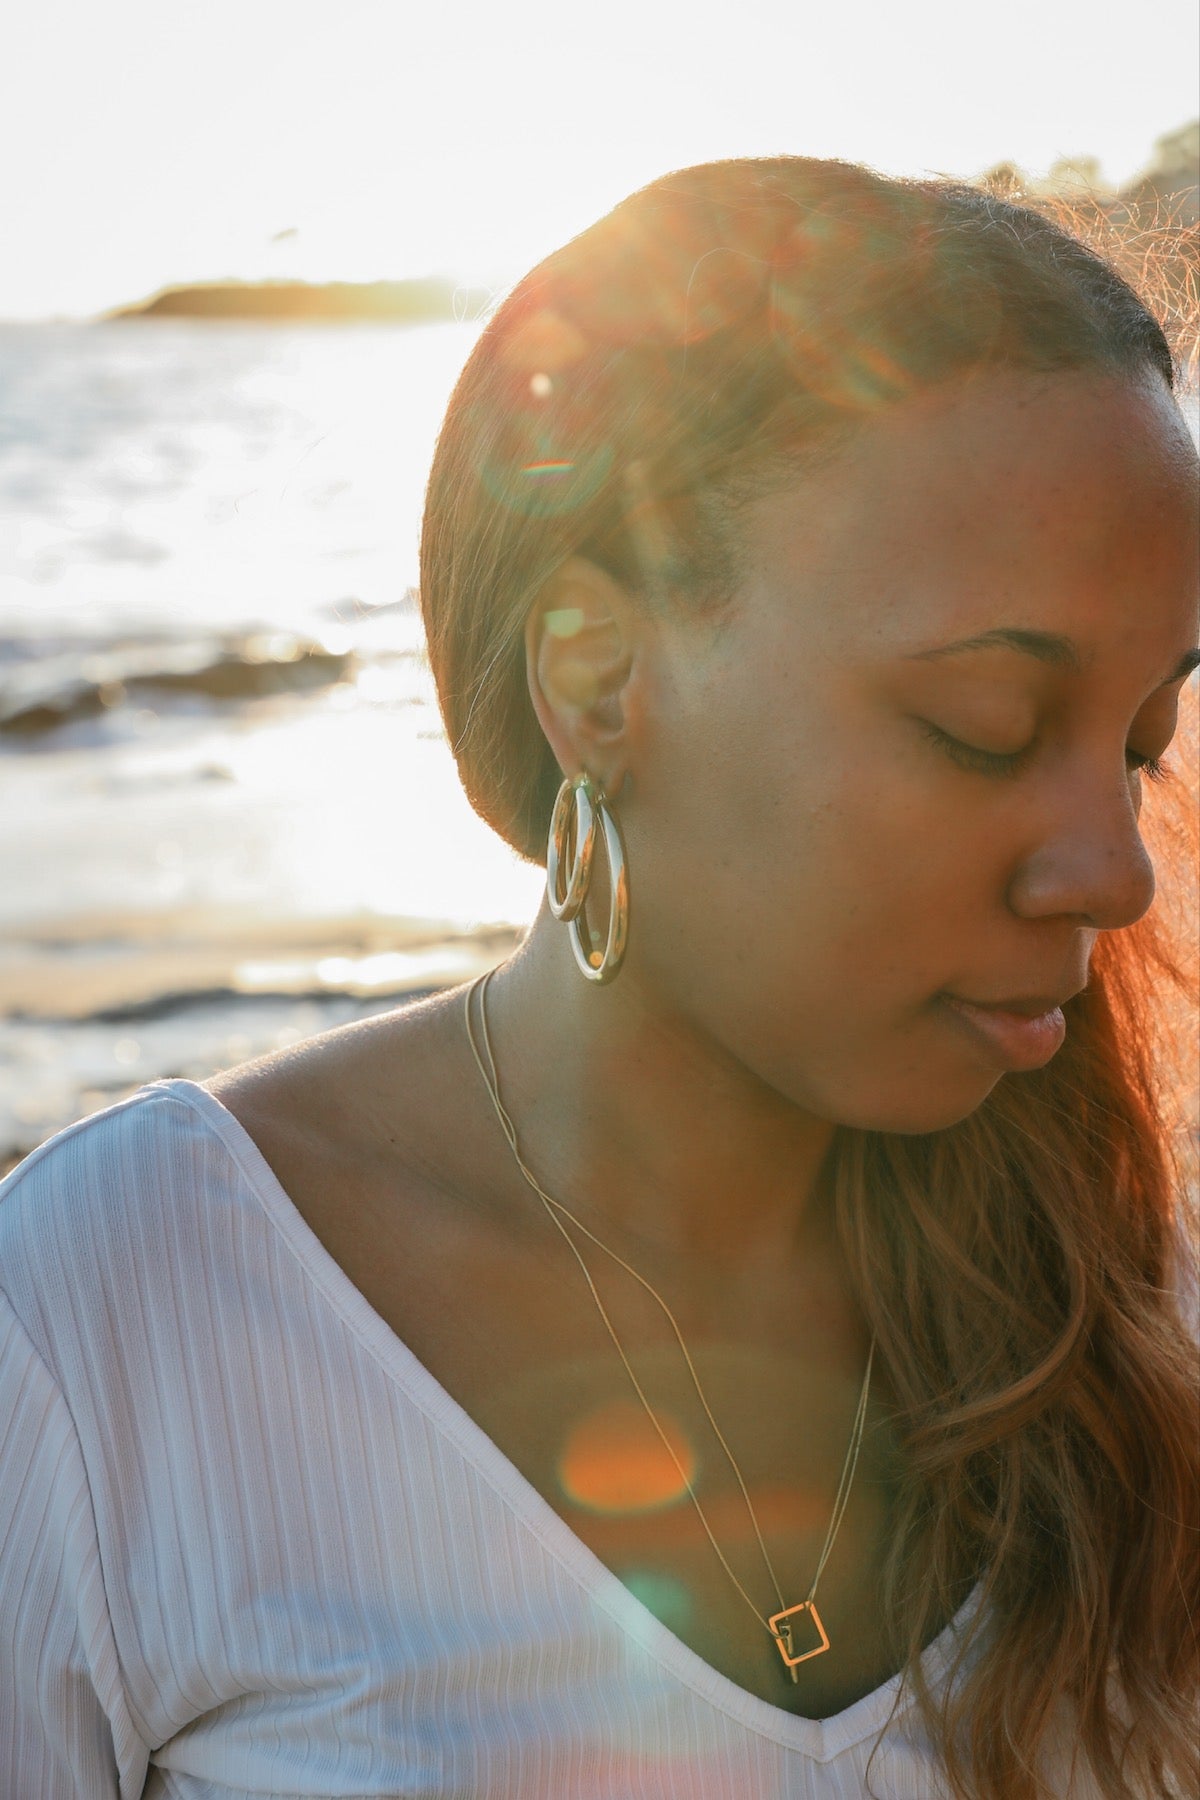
pixel 902 771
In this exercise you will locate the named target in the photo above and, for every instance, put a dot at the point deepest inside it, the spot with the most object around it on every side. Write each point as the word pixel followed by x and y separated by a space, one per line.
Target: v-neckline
pixel 821 1739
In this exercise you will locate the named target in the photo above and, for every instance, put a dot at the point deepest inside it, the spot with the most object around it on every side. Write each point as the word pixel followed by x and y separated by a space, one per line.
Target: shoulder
pixel 384 1099
pixel 159 1136
pixel 378 1062
pixel 112 1207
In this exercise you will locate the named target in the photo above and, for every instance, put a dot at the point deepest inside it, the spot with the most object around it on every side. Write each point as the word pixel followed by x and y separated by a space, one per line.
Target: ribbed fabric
pixel 249 1546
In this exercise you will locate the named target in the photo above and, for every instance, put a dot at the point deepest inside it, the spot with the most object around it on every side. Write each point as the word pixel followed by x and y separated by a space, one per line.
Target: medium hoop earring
pixel 581 805
pixel 574 815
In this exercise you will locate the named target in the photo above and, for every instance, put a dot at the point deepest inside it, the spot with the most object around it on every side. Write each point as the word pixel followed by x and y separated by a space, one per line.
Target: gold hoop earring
pixel 581 805
pixel 574 817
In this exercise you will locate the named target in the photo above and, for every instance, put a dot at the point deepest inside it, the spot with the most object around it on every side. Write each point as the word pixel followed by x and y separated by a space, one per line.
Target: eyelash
pixel 991 762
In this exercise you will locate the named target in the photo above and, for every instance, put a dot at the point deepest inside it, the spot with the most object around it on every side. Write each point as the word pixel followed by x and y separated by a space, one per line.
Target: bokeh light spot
pixel 544 343
pixel 564 621
pixel 615 1462
pixel 661 1595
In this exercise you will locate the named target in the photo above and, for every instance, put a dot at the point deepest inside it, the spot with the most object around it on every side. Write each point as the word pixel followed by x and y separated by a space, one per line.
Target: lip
pixel 1018 1036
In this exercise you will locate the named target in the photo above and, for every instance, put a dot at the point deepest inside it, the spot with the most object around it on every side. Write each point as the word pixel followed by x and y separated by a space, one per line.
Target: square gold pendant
pixel 783 1626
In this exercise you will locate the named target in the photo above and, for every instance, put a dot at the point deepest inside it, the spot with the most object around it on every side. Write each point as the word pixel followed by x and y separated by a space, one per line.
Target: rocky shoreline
pixel 428 300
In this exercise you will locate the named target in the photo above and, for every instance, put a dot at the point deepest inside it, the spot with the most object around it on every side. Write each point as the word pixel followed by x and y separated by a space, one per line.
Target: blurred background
pixel 246 249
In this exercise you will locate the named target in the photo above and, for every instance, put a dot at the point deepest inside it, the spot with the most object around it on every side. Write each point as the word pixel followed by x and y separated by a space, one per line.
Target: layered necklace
pixel 785 1624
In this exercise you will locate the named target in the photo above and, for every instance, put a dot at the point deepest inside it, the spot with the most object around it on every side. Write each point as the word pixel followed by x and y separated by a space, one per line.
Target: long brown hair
pixel 1022 1270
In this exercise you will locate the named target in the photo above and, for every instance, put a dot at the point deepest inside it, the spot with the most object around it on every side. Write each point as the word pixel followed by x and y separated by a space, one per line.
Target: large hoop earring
pixel 581 805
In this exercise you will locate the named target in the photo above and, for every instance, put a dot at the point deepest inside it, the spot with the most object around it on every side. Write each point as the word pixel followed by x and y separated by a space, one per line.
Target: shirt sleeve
pixel 65 1728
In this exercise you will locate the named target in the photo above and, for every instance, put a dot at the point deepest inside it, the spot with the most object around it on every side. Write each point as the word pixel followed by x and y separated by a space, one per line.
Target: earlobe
pixel 579 658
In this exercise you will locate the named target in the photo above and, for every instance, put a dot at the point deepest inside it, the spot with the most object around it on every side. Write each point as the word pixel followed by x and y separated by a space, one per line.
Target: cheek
pixel 813 857
pixel 806 916
pixel 851 835
pixel 877 906
pixel 785 826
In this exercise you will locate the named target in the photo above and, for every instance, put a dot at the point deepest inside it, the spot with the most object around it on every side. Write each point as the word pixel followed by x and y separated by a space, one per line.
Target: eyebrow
pixel 1046 646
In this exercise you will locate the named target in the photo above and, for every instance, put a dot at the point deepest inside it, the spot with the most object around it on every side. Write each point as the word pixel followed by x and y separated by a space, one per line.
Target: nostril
pixel 1093 868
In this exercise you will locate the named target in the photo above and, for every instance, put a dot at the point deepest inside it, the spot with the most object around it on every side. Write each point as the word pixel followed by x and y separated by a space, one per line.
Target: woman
pixel 759 1304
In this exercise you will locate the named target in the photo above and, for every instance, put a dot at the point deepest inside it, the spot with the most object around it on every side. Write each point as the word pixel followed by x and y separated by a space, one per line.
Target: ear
pixel 580 641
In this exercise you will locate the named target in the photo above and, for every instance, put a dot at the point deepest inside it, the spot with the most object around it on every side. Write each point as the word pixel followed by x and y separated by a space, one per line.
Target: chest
pixel 714 1516
pixel 401 1617
pixel 723 1510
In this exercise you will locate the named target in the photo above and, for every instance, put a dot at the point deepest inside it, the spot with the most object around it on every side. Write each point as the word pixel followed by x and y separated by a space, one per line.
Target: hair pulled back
pixel 714 331
pixel 724 319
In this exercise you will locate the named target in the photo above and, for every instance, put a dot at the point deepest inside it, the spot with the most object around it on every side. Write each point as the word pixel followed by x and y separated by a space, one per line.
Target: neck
pixel 663 1144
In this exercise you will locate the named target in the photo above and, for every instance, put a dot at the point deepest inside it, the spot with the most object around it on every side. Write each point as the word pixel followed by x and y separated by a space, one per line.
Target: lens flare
pixel 615 1462
pixel 662 1595
pixel 541 344
pixel 545 483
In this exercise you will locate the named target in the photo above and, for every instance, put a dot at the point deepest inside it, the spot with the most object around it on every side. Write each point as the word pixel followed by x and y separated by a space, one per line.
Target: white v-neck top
pixel 249 1546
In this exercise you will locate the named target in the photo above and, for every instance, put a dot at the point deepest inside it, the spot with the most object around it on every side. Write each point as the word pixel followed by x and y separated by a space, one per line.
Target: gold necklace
pixel 781 1625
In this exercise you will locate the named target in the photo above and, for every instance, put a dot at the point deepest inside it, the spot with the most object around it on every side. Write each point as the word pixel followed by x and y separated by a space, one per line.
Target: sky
pixel 146 142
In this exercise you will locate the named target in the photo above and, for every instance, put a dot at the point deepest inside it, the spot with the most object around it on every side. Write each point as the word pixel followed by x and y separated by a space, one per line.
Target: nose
pixel 1089 861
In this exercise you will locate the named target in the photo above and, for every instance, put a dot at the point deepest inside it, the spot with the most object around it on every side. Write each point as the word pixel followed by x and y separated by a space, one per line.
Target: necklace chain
pixel 557 1212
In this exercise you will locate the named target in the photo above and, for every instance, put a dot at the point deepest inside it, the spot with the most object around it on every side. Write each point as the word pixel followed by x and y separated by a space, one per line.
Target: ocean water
pixel 229 813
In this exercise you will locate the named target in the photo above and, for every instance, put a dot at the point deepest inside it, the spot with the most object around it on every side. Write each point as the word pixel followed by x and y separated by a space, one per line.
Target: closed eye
pixel 969 756
pixel 1152 767
pixel 998 763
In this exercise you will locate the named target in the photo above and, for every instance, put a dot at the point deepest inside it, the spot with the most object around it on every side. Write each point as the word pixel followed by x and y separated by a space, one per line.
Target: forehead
pixel 1062 503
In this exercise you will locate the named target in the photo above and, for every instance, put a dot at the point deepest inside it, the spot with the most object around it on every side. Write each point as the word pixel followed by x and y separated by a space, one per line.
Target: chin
pixel 915 1114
